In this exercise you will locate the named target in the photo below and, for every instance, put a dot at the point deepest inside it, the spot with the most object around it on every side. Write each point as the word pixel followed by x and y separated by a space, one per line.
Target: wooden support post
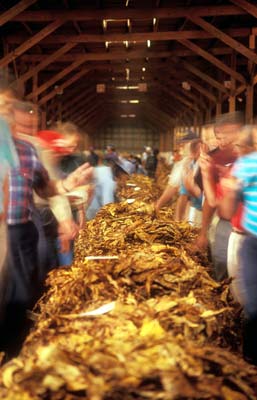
pixel 249 104
pixel 250 86
pixel 218 108
pixel 232 97
pixel 35 84
pixel 43 119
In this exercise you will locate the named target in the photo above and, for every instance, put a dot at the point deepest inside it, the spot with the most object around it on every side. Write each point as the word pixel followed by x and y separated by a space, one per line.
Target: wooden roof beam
pixel 81 105
pixel 126 13
pixel 139 36
pixel 63 86
pixel 179 97
pixel 56 78
pixel 15 10
pixel 205 92
pixel 133 54
pixel 246 6
pixel 224 37
pixel 46 61
pixel 207 78
pixel 212 59
pixel 30 42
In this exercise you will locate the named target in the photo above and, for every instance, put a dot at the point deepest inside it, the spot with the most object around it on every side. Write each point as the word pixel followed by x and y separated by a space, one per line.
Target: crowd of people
pixel 48 188
pixel 216 191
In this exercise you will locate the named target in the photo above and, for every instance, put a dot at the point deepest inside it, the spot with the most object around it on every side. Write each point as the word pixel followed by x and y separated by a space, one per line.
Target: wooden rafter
pixel 56 78
pixel 206 93
pixel 63 86
pixel 46 61
pixel 209 33
pixel 205 77
pixel 30 42
pixel 224 37
pixel 15 10
pixel 212 59
pixel 133 54
pixel 245 5
pixel 142 14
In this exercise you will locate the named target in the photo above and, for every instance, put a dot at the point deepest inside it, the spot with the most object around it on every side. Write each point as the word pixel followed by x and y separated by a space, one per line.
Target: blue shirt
pixel 8 156
pixel 245 170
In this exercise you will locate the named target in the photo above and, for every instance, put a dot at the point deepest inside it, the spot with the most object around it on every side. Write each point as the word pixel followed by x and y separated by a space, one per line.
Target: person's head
pixel 227 128
pixel 26 117
pixel 194 148
pixel 110 148
pixel 247 140
pixel 71 137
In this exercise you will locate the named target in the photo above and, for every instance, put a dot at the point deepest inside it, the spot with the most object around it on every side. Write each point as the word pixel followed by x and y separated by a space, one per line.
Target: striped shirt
pixel 22 180
pixel 245 170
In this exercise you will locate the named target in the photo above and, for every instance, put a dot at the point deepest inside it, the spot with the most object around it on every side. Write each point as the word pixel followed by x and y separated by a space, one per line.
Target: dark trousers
pixel 248 259
pixel 23 261
pixel 23 286
pixel 220 249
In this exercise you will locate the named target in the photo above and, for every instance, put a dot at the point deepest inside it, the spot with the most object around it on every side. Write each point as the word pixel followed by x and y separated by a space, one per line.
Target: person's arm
pixel 209 186
pixel 81 176
pixel 228 204
pixel 190 185
pixel 167 195
pixel 207 214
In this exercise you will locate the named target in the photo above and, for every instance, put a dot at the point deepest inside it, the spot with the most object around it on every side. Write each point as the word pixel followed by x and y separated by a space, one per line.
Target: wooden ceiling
pixel 195 56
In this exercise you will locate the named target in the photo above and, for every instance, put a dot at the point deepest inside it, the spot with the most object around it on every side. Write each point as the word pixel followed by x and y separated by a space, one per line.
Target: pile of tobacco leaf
pixel 136 316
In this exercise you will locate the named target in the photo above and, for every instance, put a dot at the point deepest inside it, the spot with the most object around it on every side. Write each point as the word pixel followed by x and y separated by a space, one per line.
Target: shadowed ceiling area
pixel 157 62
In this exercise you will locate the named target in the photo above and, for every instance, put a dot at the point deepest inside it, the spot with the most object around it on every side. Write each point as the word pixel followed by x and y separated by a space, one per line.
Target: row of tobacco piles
pixel 146 323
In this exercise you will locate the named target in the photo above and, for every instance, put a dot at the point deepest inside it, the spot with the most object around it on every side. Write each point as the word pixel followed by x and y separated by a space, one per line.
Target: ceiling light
pixel 148 43
pixel 124 101
pixel 132 115
pixel 106 45
pixel 143 69
pixel 104 23
pixel 123 116
pixel 127 3
pixel 134 101
pixel 154 21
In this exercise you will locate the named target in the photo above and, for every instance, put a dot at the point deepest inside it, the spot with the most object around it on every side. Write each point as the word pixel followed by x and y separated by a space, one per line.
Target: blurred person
pixel 176 179
pixel 28 176
pixel 213 167
pixel 104 187
pixel 110 153
pixel 242 186
pixel 151 161
pixel 190 188
pixel 244 145
pixel 8 159
pixel 69 159
pixel 92 158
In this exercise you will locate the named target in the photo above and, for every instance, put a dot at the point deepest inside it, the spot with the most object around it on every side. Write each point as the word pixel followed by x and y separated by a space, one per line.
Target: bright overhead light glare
pixel 127 3
pixel 113 78
pixel 106 45
pixel 154 21
pixel 127 87
pixel 132 115
pixel 143 69
pixel 148 43
pixel 104 23
pixel 123 116
pixel 134 101
pixel 128 22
